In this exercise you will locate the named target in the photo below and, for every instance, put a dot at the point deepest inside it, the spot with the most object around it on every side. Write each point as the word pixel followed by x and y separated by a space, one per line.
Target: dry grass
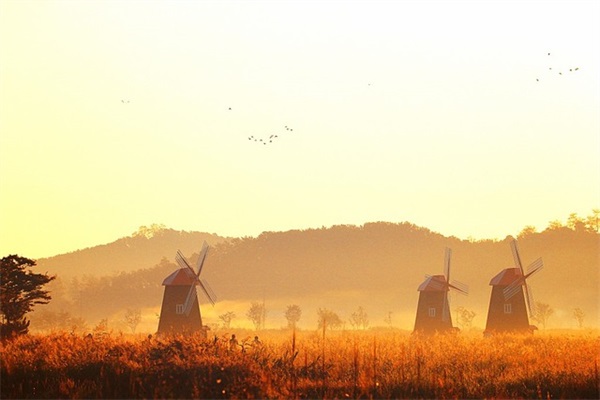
pixel 341 365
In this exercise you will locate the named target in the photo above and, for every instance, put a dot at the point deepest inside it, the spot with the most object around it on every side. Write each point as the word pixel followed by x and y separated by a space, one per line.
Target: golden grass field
pixel 343 364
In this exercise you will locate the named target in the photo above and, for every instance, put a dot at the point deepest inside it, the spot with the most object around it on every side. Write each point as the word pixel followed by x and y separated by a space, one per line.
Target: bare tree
pixel 359 319
pixel 542 312
pixel 579 315
pixel 256 314
pixel 293 314
pixel 464 317
pixel 227 318
pixel 102 328
pixel 388 319
pixel 133 317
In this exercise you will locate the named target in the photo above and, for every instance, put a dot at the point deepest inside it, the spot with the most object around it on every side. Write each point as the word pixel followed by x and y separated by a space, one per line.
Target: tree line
pixel 98 297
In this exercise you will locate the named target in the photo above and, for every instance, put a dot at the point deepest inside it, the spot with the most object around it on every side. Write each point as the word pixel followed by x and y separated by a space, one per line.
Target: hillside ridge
pixel 377 265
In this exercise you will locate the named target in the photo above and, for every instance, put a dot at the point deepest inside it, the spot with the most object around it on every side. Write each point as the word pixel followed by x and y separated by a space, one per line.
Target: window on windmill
pixel 432 311
pixel 179 309
pixel 508 308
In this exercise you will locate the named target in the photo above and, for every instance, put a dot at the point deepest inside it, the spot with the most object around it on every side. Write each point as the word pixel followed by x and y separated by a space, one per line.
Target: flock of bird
pixel 267 140
pixel 271 138
pixel 560 72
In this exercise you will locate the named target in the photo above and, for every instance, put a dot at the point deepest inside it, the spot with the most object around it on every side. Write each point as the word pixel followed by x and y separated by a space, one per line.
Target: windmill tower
pixel 433 310
pixel 511 297
pixel 180 311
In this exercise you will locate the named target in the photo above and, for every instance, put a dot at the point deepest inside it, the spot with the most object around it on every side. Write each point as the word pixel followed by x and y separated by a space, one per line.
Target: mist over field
pixel 376 266
pixel 337 157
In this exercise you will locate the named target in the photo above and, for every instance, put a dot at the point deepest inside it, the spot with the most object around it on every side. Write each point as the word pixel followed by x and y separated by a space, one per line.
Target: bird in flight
pixel 572 69
pixel 270 139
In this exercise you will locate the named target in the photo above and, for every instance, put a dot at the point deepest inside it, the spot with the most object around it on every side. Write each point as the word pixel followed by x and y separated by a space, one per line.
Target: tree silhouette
pixel 575 223
pixel 592 222
pixel 227 318
pixel 555 224
pixel 20 290
pixel 328 319
pixel 388 319
pixel 359 319
pixel 542 312
pixel 133 317
pixel 293 314
pixel 579 315
pixel 256 314
pixel 527 230
pixel 464 317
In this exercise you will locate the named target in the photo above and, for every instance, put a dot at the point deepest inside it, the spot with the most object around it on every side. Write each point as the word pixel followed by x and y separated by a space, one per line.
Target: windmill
pixel 180 310
pixel 512 297
pixel 433 310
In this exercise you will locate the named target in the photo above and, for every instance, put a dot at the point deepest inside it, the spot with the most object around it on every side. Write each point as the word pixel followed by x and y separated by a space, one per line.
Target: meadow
pixel 306 364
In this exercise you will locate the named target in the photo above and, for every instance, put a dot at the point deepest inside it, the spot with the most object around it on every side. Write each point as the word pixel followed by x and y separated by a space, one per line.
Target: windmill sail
pixel 445 308
pixel 460 287
pixel 189 301
pixel 512 289
pixel 456 285
pixel 534 267
pixel 208 291
pixel 201 258
pixel 521 281
pixel 515 253
pixel 193 293
pixel 447 256
pixel 179 257
pixel 530 302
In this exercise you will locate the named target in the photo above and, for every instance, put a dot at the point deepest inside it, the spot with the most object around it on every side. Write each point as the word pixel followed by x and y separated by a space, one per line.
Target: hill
pixel 143 249
pixel 377 266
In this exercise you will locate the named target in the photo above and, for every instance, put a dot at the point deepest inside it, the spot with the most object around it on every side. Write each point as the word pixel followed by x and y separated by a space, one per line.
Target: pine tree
pixel 20 290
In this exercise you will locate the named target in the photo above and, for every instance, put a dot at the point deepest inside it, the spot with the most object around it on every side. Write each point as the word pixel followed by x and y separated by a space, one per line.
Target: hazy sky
pixel 115 114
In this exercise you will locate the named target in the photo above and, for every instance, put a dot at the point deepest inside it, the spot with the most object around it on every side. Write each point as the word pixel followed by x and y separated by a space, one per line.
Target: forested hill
pixel 143 249
pixel 378 266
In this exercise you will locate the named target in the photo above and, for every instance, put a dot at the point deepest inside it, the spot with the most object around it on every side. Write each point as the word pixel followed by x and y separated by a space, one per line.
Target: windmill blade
pixel 534 267
pixel 201 258
pixel 181 260
pixel 208 291
pixel 516 257
pixel 533 308
pixel 435 284
pixel 512 289
pixel 460 287
pixel 447 256
pixel 189 301
pixel 529 299
pixel 445 308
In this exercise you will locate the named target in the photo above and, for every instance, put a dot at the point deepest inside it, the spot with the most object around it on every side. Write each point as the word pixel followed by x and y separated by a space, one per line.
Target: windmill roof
pixel 434 283
pixel 181 277
pixel 506 277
